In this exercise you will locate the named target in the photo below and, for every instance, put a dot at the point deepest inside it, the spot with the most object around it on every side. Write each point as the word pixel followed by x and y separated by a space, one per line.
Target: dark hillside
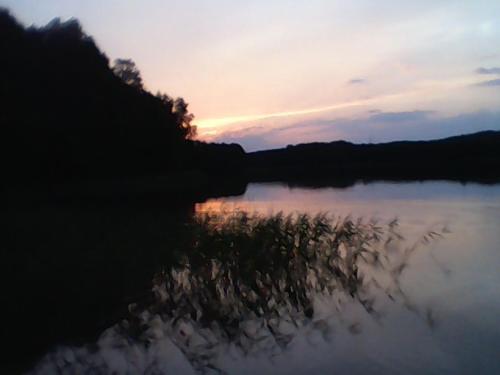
pixel 66 115
pixel 474 156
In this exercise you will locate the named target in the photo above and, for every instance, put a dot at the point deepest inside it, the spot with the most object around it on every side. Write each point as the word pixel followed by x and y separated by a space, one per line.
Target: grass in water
pixel 251 282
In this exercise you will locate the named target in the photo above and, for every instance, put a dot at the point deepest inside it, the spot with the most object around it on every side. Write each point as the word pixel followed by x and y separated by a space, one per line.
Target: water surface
pixel 431 306
pixel 457 277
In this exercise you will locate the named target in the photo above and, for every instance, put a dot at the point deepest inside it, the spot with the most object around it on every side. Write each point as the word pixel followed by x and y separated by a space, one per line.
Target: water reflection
pixel 248 286
pixel 383 199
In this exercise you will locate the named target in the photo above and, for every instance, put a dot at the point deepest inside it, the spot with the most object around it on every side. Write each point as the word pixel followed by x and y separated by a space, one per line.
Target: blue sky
pixel 270 73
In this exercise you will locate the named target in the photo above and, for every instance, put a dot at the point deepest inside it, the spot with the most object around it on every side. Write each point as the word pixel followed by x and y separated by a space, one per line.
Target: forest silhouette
pixel 68 114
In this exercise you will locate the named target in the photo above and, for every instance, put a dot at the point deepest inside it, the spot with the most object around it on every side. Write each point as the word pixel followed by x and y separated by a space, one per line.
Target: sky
pixel 268 73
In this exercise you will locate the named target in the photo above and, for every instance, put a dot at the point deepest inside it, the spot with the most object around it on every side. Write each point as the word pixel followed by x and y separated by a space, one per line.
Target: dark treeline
pixel 467 157
pixel 67 114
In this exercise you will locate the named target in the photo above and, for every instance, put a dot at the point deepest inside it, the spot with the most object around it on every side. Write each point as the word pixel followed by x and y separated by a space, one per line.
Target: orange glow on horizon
pixel 214 126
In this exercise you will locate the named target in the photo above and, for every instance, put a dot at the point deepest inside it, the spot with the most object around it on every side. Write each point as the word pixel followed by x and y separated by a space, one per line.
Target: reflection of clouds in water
pixel 253 287
pixel 414 200
pixel 311 351
pixel 116 353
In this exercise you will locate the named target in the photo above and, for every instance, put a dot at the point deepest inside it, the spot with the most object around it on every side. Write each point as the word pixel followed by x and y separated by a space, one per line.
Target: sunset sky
pixel 269 73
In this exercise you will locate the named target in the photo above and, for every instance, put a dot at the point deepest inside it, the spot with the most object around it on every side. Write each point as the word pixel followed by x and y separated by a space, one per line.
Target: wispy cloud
pixel 493 70
pixel 378 127
pixel 392 117
pixel 357 81
pixel 205 124
pixel 490 83
pixel 210 127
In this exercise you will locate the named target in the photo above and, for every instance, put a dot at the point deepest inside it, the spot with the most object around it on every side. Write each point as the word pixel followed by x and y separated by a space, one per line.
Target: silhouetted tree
pixel 128 72
pixel 184 118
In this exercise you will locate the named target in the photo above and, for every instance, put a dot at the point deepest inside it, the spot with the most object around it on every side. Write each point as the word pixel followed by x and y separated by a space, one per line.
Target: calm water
pixel 437 312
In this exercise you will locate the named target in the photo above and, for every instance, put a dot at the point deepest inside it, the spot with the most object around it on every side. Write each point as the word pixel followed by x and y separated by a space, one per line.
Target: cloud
pixel 357 81
pixel 416 125
pixel 391 117
pixel 377 127
pixel 493 70
pixel 490 83
pixel 252 138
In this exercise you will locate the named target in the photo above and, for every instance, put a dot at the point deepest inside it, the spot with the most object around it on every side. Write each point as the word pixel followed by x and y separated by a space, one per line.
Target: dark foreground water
pixel 424 298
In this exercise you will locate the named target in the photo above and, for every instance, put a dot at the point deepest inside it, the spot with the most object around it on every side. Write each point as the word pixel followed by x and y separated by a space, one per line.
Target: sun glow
pixel 213 126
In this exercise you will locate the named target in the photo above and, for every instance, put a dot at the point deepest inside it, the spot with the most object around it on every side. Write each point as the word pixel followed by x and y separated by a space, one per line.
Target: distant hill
pixel 473 156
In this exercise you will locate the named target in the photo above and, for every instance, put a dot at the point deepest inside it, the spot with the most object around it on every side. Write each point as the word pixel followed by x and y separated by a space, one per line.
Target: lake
pixel 457 277
pixel 428 304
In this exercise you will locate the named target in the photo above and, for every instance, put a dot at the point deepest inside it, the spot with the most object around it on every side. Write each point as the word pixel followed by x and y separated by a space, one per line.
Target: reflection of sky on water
pixel 382 198
pixel 457 277
pixel 447 323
